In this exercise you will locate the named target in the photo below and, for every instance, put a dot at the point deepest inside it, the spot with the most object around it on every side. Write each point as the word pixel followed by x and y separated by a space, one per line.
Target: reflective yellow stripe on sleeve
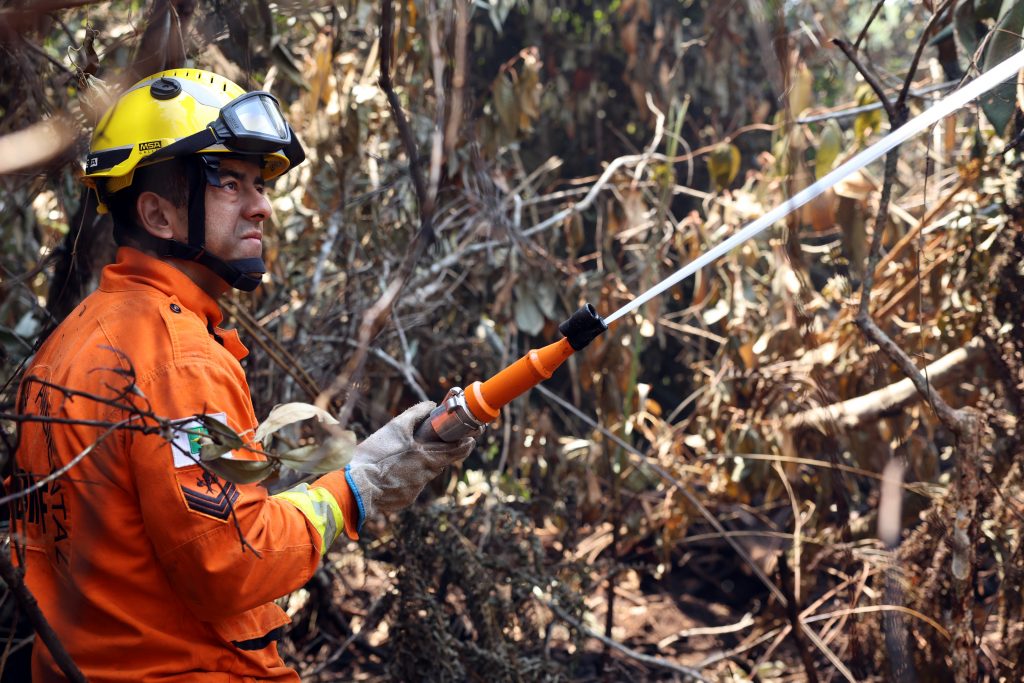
pixel 320 508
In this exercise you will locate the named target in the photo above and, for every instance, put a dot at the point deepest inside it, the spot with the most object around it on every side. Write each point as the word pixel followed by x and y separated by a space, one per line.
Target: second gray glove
pixel 390 468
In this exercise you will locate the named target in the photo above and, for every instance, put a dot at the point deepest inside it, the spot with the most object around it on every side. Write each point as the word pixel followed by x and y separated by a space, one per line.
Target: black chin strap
pixel 243 274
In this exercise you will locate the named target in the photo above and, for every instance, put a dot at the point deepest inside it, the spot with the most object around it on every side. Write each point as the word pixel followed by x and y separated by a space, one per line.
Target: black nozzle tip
pixel 583 327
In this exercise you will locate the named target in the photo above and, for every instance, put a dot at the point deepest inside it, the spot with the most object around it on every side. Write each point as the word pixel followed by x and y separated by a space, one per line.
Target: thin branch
pixel 926 35
pixel 792 608
pixel 377 315
pixel 810 462
pixel 14 578
pixel 387 21
pixel 438 64
pixel 687 672
pixel 42 483
pixel 845 111
pixel 856 411
pixel 869 77
pixel 949 417
pixel 871 19
pixel 579 207
pixel 683 488
pixel 279 355
pixel 374 615
pixel 463 8
pixel 965 424
pixel 869 609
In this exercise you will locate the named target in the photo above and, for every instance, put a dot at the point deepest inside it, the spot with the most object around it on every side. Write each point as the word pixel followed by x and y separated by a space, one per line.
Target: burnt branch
pixel 965 424
pixel 376 316
pixel 14 577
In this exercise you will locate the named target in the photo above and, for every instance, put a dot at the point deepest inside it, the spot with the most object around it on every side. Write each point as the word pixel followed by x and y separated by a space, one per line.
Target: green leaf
pixel 1004 41
pixel 506 104
pixel 965 25
pixel 869 121
pixel 801 91
pixel 723 164
pixel 829 145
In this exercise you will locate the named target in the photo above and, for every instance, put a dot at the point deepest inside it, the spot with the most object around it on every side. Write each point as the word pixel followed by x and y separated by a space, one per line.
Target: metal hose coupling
pixel 450 421
pixel 463 413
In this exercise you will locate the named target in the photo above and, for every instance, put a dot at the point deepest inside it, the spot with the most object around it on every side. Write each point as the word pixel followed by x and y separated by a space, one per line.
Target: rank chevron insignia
pixel 218 506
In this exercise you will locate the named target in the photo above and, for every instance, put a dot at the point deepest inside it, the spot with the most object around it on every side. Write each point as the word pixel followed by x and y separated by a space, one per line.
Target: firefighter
pixel 147 565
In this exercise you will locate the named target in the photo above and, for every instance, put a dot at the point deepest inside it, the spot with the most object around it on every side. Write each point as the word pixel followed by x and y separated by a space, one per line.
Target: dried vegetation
pixel 731 484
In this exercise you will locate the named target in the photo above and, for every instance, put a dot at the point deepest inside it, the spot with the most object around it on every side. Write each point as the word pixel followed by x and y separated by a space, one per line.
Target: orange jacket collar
pixel 135 270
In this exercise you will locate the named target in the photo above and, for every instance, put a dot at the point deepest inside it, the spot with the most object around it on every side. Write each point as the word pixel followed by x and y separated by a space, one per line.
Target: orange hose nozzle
pixel 485 399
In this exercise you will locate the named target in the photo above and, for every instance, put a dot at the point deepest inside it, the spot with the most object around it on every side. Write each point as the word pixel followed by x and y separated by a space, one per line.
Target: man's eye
pixel 229 185
pixel 261 189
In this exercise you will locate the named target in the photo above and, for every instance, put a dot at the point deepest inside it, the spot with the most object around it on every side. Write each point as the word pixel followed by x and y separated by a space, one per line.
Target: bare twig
pixel 438 65
pixel 869 76
pixel 926 35
pixel 582 205
pixel 683 488
pixel 64 469
pixel 376 316
pixel 964 424
pixel 688 673
pixel 890 527
pixel 273 348
pixel 333 227
pixel 14 578
pixel 864 31
pixel 451 135
pixel 793 614
pixel 856 411
pixel 376 613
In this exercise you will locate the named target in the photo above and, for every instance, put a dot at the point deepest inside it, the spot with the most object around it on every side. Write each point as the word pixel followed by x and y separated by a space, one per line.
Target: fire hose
pixel 465 412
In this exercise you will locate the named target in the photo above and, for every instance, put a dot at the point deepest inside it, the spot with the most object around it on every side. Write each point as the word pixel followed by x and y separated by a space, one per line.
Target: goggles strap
pixel 186 146
pixel 294 152
pixel 243 274
pixel 197 172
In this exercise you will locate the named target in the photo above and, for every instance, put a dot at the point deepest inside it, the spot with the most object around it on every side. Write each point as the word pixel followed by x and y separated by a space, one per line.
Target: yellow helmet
pixel 194 115
pixel 187 111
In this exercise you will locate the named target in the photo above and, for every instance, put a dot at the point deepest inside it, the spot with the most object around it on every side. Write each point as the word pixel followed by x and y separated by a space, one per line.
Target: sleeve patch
pixel 188 439
pixel 216 502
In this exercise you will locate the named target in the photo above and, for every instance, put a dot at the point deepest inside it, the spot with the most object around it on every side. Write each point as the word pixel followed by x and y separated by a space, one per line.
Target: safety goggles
pixel 253 124
pixel 249 124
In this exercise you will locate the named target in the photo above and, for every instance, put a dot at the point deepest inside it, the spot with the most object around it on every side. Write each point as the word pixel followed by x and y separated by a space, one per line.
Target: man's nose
pixel 258 206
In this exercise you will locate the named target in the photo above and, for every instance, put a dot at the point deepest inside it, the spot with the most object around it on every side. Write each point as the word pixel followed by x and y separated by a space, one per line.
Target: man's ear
pixel 157 215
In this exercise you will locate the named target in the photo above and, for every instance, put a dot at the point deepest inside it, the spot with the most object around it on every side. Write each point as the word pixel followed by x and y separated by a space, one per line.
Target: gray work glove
pixel 390 468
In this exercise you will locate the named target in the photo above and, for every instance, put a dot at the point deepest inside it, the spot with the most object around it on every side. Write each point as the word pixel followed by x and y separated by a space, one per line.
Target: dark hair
pixel 167 179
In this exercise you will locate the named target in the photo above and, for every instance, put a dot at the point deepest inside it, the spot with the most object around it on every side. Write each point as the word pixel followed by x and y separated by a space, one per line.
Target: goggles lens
pixel 253 124
pixel 262 116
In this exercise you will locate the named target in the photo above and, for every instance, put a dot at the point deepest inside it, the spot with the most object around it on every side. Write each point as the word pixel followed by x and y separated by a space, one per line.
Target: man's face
pixel 235 212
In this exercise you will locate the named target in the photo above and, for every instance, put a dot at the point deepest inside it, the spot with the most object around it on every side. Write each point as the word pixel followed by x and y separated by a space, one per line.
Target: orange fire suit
pixel 148 568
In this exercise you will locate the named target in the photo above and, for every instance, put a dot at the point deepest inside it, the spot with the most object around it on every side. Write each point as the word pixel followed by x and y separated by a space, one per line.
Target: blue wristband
pixel 355 493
